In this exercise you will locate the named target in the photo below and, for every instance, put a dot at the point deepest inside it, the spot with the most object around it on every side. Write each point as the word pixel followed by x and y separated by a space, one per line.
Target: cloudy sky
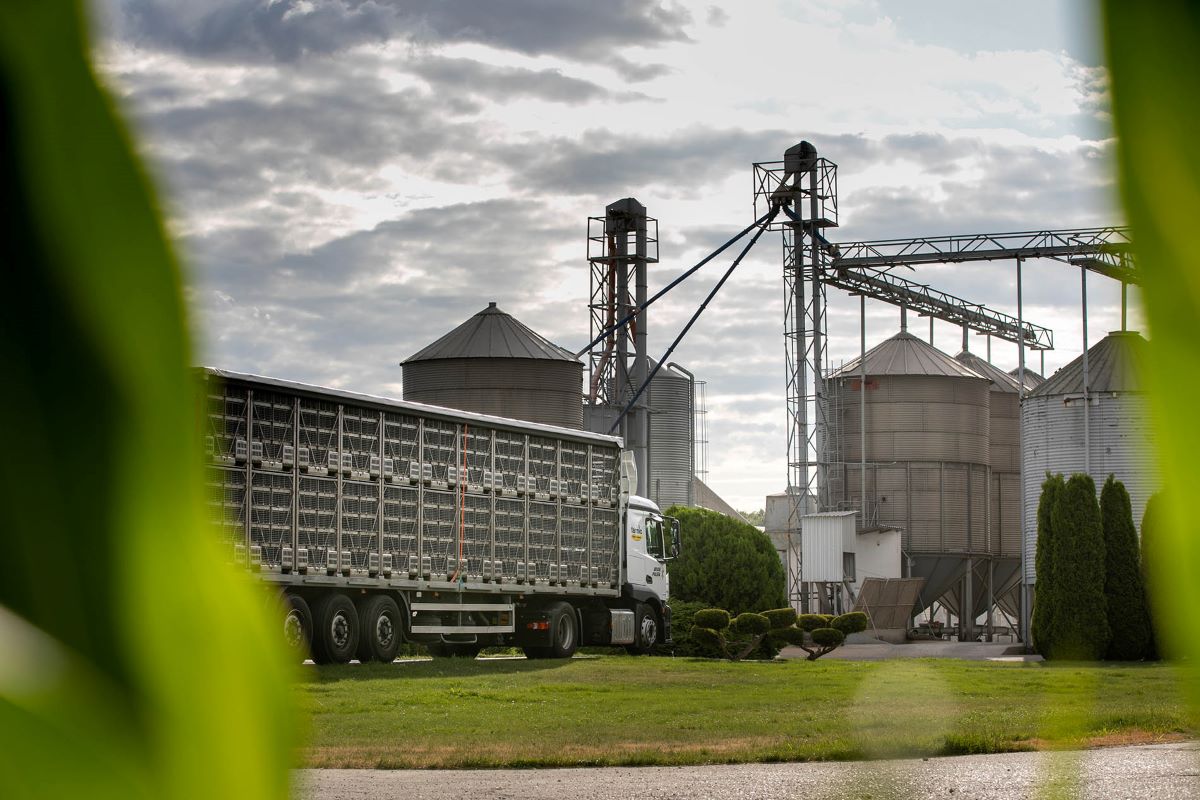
pixel 349 179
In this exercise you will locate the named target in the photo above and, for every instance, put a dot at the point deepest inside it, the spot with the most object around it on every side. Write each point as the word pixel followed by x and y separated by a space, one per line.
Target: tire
pixel 564 631
pixel 380 629
pixel 645 630
pixel 335 630
pixel 297 625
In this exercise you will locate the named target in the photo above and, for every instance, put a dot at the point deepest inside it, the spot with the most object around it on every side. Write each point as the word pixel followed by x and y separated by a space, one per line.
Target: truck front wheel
pixel 335 630
pixel 645 630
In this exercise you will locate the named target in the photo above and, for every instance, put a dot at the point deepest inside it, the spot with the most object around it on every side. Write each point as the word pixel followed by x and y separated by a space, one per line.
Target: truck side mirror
pixel 676 543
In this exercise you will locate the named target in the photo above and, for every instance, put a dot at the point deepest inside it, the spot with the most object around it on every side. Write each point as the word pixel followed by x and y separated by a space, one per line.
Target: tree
pixel 1042 624
pixel 754 517
pixel 1124 592
pixel 1080 622
pixel 1149 547
pixel 725 563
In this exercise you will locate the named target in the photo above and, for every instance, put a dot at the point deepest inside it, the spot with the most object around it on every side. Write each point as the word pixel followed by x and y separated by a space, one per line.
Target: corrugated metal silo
pixel 1004 419
pixel 1032 379
pixel 492 364
pixel 927 453
pixel 671 438
pixel 1119 435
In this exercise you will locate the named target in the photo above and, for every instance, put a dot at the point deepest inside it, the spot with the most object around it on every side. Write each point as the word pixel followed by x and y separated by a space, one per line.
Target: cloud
pixel 287 30
pixel 482 80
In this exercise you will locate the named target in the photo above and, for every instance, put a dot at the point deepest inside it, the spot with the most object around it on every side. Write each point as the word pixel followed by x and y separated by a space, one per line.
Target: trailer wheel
pixel 645 630
pixel 335 630
pixel 564 631
pixel 297 624
pixel 381 629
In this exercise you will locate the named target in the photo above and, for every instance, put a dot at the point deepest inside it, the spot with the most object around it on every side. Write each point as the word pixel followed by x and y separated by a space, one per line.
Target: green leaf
pixel 169 682
pixel 1155 65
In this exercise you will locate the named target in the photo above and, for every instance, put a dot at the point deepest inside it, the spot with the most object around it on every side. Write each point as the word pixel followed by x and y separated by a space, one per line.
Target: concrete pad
pixel 883 651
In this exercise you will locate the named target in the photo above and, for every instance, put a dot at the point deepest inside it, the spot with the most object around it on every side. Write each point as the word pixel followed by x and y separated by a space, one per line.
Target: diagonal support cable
pixel 763 223
pixel 616 326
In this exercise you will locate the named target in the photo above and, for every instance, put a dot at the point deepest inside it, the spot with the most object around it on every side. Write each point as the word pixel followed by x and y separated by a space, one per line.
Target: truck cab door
pixel 646 552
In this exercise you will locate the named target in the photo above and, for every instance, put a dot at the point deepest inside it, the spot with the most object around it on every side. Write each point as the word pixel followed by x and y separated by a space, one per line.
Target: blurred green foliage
pixel 1154 62
pixel 133 663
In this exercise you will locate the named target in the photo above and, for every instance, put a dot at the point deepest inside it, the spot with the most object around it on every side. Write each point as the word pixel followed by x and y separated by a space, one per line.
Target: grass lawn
pixel 634 711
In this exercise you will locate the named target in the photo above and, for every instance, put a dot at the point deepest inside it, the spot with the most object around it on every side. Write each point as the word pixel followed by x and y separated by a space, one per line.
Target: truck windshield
pixel 654 538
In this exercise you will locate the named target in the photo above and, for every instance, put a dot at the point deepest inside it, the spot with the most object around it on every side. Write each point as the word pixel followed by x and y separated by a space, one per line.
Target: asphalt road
pixel 1169 772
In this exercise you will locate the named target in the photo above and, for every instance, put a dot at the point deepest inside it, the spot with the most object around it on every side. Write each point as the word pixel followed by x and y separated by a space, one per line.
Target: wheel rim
pixel 385 632
pixel 649 630
pixel 565 633
pixel 293 629
pixel 339 630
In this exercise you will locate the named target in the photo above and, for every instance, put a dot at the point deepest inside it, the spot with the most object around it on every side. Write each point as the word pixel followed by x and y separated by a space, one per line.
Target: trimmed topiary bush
pixel 781 617
pixel 750 624
pixel 850 622
pixel 683 617
pixel 824 640
pixel 715 618
pixel 810 622
pixel 1124 593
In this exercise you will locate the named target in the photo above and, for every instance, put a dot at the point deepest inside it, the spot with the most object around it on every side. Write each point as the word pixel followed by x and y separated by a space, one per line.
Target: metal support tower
pixel 620 245
pixel 807 186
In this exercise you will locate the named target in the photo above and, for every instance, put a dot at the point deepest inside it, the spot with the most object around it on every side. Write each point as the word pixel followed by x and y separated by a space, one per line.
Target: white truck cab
pixel 651 540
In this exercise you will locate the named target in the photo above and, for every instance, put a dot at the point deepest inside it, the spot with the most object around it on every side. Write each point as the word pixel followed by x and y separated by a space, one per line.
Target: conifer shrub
pixel 851 622
pixel 781 617
pixel 1080 621
pixel 1124 592
pixel 1042 623
pixel 725 563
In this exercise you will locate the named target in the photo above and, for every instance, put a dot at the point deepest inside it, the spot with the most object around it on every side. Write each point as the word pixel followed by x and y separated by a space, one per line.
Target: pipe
pixel 1025 595
pixel 862 400
pixel 1087 442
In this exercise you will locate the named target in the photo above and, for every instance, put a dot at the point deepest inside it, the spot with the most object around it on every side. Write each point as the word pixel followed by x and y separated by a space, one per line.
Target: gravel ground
pixel 1169 772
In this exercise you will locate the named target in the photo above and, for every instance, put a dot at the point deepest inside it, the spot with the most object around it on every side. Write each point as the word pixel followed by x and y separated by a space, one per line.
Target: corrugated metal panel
pixel 1001 380
pixel 905 354
pixel 670 401
pixel 821 545
pixel 492 334
pixel 543 391
pixel 1114 365
pixel 1120 443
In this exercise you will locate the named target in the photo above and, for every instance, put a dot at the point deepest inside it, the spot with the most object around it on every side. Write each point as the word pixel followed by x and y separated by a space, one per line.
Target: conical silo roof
pixel 1032 379
pixel 492 333
pixel 1001 380
pixel 1114 365
pixel 905 354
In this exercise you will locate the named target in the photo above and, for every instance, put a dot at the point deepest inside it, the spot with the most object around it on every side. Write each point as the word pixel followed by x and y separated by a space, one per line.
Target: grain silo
pixel 1116 438
pixel 492 364
pixel 1032 379
pixel 672 437
pixel 927 456
pixel 1004 458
